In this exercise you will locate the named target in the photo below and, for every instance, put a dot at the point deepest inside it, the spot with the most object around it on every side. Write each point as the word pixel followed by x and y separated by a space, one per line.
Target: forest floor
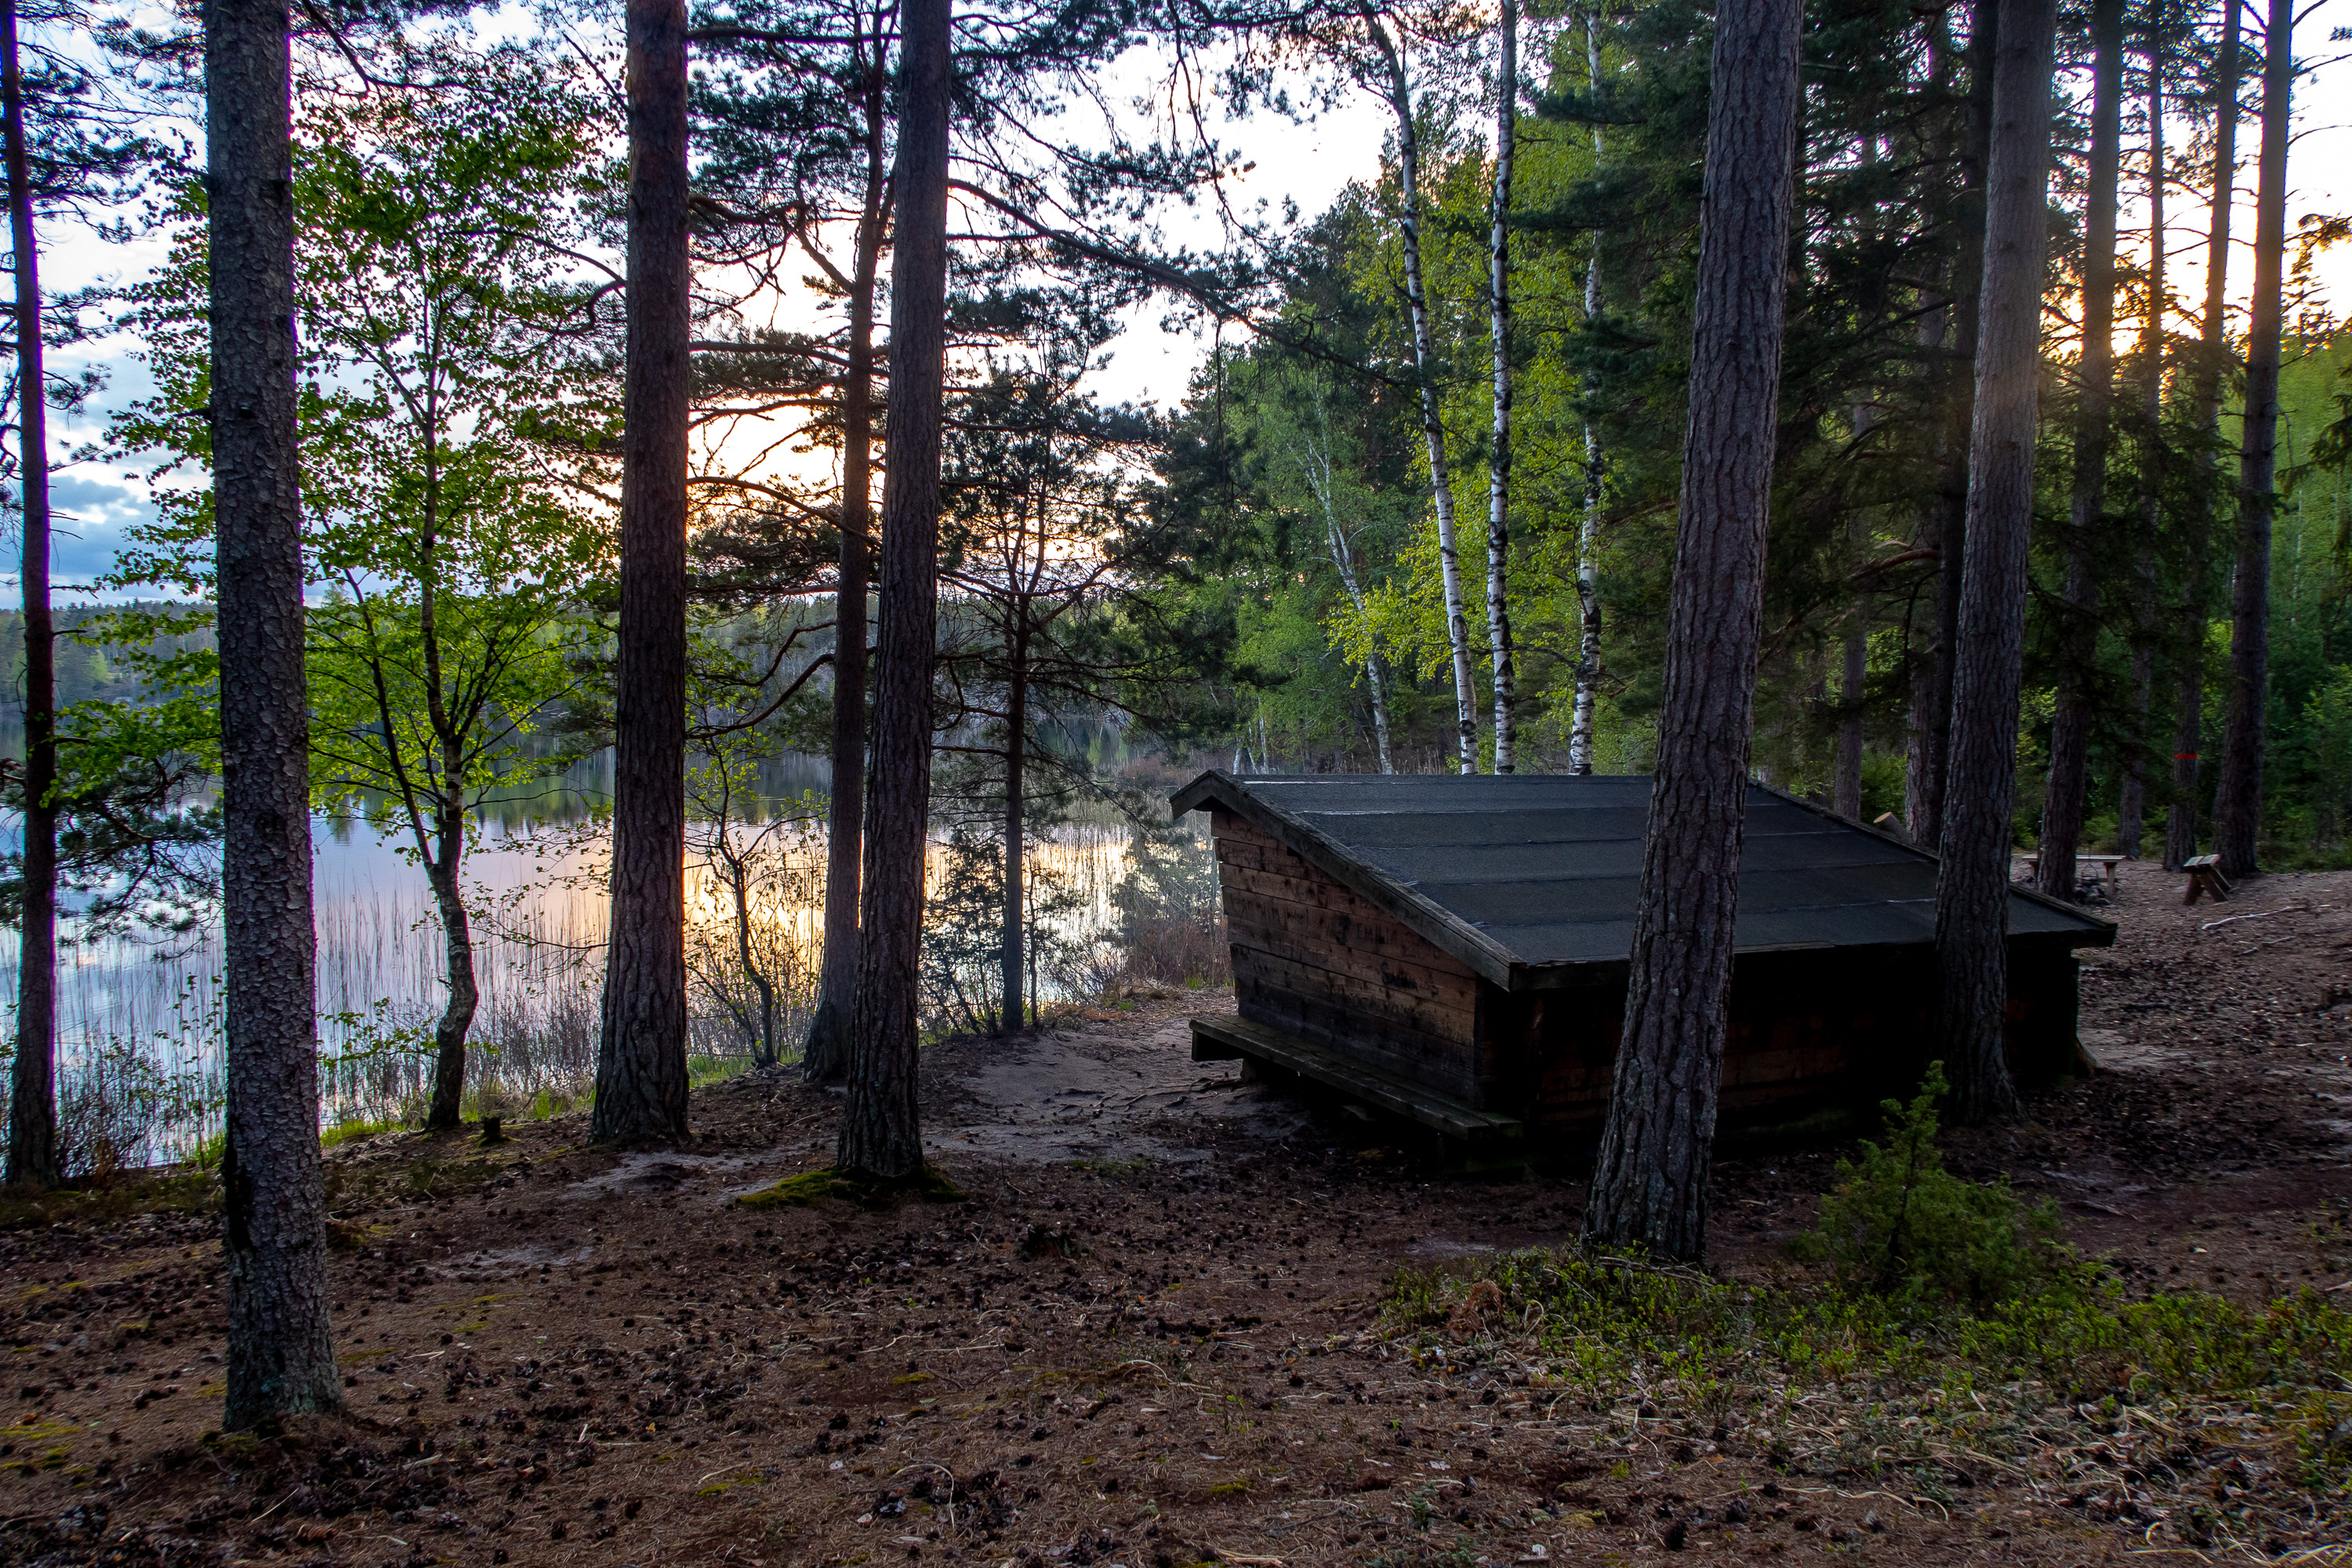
pixel 1162 1326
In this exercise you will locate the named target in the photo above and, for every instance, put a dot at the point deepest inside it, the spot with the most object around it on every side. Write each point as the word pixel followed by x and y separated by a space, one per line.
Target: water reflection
pixel 537 884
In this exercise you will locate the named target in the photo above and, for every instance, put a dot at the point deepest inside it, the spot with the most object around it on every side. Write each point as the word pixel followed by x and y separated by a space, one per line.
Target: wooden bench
pixel 2205 877
pixel 1223 1040
pixel 2105 863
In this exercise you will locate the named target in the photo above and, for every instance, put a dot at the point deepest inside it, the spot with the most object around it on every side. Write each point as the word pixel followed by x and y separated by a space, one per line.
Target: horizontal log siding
pixel 1312 958
pixel 1807 1030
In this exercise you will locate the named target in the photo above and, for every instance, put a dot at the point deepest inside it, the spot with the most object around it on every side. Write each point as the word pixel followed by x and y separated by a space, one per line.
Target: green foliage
pixel 1594 1327
pixel 1901 1226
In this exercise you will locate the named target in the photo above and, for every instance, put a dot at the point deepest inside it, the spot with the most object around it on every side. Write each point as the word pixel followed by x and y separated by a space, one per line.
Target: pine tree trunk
pixel 34 1158
pixel 2238 796
pixel 1845 796
pixel 2070 728
pixel 1587 532
pixel 2212 357
pixel 881 1133
pixel 1930 769
pixel 2131 803
pixel 1016 815
pixel 1399 92
pixel 825 1056
pixel 1498 462
pixel 281 1358
pixel 456 1020
pixel 641 1083
pixel 1972 887
pixel 1649 1179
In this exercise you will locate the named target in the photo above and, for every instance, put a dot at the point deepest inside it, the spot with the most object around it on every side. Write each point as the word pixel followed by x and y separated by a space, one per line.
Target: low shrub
pixel 1899 1225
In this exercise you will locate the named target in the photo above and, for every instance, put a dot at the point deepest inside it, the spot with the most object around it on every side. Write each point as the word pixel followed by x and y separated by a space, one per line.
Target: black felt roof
pixel 1527 873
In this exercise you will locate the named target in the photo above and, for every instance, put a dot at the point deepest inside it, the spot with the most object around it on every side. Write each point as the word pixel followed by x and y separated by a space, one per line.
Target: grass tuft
pixel 929 1186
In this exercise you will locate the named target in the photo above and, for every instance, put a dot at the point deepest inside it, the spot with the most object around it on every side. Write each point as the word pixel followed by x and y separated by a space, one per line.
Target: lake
pixel 147 1013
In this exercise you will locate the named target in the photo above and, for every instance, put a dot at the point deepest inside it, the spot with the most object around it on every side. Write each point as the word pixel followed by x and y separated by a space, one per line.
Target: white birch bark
pixel 1588 534
pixel 1398 90
pixel 1313 458
pixel 1499 465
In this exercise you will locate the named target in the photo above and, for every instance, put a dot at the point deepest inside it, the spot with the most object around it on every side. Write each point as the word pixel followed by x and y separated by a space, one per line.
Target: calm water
pixel 539 897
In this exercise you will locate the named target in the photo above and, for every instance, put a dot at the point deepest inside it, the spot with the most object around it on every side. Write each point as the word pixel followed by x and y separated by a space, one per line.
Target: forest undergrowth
pixel 1165 1317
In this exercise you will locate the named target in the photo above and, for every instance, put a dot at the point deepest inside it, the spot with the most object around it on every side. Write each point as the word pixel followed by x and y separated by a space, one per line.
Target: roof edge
pixel 1420 913
pixel 2098 930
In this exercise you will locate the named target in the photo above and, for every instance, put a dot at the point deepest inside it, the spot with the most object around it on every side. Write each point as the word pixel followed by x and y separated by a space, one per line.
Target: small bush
pixel 1900 1225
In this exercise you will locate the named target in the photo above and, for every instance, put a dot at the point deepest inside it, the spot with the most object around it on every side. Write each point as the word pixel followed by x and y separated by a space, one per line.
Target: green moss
pixel 931 1186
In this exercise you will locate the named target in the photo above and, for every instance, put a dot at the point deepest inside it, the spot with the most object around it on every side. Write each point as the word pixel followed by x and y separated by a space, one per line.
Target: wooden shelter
pixel 1454 949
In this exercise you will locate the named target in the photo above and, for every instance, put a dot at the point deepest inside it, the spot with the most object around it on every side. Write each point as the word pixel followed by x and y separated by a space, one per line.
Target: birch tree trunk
pixel 881 1132
pixel 2238 796
pixel 1498 462
pixel 1649 1179
pixel 281 1358
pixel 2078 630
pixel 1972 886
pixel 1587 532
pixel 1343 561
pixel 641 1083
pixel 34 1159
pixel 1398 90
pixel 2131 803
pixel 2213 356
pixel 456 1020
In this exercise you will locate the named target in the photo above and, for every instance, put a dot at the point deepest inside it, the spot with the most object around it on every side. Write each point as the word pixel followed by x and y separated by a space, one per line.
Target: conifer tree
pixel 2238 796
pixel 1972 883
pixel 1649 1182
pixel 280 1350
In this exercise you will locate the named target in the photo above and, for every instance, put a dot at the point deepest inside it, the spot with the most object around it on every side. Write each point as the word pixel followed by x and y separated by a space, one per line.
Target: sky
pixel 96 497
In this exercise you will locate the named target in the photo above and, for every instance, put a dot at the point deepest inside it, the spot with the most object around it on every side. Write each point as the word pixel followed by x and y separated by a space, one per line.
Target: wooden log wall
pixel 1312 958
pixel 1808 1028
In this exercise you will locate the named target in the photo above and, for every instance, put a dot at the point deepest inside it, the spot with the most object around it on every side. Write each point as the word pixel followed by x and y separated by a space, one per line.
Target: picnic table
pixel 2105 863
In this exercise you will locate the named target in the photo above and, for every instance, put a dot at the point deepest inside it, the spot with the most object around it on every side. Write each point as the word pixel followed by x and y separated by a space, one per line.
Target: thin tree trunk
pixel 34 1158
pixel 1853 678
pixel 1498 463
pixel 456 1019
pixel 827 1054
pixel 1343 561
pixel 281 1358
pixel 1950 525
pixel 1399 92
pixel 1649 1181
pixel 2070 728
pixel 2238 797
pixel 2212 357
pixel 881 1134
pixel 1017 808
pixel 1587 532
pixel 767 1050
pixel 641 1083
pixel 2131 803
pixel 1846 792
pixel 1972 888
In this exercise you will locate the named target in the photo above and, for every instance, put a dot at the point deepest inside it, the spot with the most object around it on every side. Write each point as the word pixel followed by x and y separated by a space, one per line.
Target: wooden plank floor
pixel 1224 1038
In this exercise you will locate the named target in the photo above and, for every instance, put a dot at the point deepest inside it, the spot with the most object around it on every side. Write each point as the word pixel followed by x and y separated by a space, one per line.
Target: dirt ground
pixel 1148 1335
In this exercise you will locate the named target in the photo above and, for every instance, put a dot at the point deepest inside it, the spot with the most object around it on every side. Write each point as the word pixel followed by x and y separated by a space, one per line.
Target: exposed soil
pixel 1146 1336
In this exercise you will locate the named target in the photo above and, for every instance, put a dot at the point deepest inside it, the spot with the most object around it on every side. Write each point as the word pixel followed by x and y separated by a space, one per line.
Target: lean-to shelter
pixel 1454 949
